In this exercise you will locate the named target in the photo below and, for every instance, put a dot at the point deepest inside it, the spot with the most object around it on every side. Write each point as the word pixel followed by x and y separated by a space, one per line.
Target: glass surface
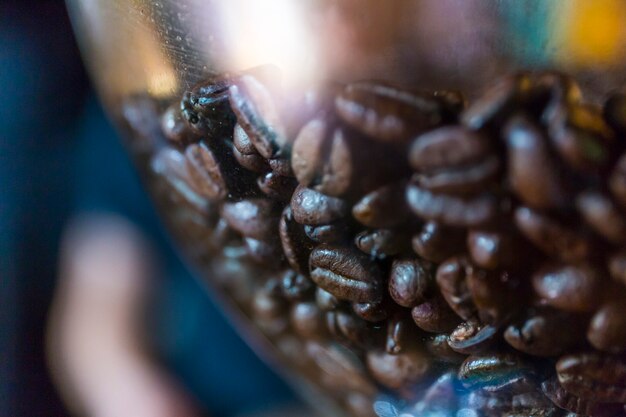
pixel 324 294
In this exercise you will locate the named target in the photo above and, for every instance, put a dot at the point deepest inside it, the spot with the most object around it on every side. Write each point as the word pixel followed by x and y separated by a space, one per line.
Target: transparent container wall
pixel 411 208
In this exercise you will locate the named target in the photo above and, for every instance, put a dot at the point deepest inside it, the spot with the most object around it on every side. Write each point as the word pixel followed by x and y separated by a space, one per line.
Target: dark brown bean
pixel 252 162
pixel 493 249
pixel 440 397
pixel 307 320
pixel 281 167
pixel 174 126
pixel 603 216
pixel 258 115
pixel 383 208
pixel 400 334
pixel 461 181
pixel 434 316
pixel 295 287
pixel 206 109
pixel 568 401
pixel 337 232
pixel 409 281
pixel 373 312
pixel 267 253
pixel 568 287
pixel 344 326
pixel 360 405
pixel 325 300
pixel 472 337
pixel 552 90
pixel 276 186
pixel 242 142
pixel 551 237
pixel 607 330
pixel 617 266
pixel 438 346
pixel 496 294
pixel 497 102
pixel 532 173
pixel 346 273
pixel 382 243
pixel 313 208
pixel 617 181
pixel 594 376
pixel 386 113
pixel 398 371
pixel 492 370
pixel 436 242
pixel 546 332
pixel 296 245
pixel 205 172
pixel 255 218
pixel 269 308
pixel 451 279
pixel 452 210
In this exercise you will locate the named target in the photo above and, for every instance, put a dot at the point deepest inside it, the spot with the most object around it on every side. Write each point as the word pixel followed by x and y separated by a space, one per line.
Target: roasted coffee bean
pixel 386 113
pixel 360 405
pixel 382 243
pixel 174 126
pixel 276 186
pixel 255 218
pixel 533 175
pixel 617 266
pixel 344 326
pixel 614 112
pixel 372 312
pixel 607 330
pixel 282 167
pixel 493 249
pixel 617 181
pixel 400 334
pixel 206 172
pixel 325 300
pixel 440 396
pixel 438 346
pixel 296 245
pixel 339 368
pixel 269 308
pixel 328 233
pixel 551 90
pixel 296 287
pixel 546 332
pixel 242 142
pixel 492 370
pixel 497 102
pixel 409 282
pixel 551 237
pixel 594 376
pixel 582 137
pixel 453 160
pixel 256 112
pixel 206 109
pixel 533 403
pixel 346 273
pixel 434 316
pixel 451 279
pixel 487 404
pixel 398 371
pixel 436 242
pixel 384 207
pixel 335 161
pixel 603 216
pixel 169 164
pixel 308 321
pixel 473 337
pixel 252 162
pixel 313 208
pixel 265 252
pixel 569 287
pixel 570 402
pixel 452 210
pixel 495 294
pixel 140 117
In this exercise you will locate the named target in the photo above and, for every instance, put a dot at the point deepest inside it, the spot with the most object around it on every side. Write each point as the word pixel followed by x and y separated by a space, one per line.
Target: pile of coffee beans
pixel 410 252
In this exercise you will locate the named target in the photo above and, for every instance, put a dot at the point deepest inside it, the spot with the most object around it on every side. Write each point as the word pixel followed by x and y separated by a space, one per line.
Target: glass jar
pixel 418 207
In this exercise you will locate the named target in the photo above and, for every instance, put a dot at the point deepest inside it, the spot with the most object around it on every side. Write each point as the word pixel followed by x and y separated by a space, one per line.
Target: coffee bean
pixel 487 404
pixel 607 330
pixel 440 397
pixel 360 405
pixel 461 181
pixel 174 126
pixel 296 245
pixel 409 281
pixel 551 237
pixel 373 312
pixel 436 242
pixel 384 207
pixel 551 90
pixel 473 337
pixel 582 137
pixel 617 266
pixel 328 233
pixel 313 208
pixel 386 113
pixel 307 320
pixel 269 308
pixel 381 243
pixel 206 172
pixel 603 216
pixel 344 326
pixel 398 371
pixel 451 279
pixel 252 162
pixel 254 218
pixel 568 287
pixel 346 273
pixel 491 370
pixel 493 249
pixel 497 102
pixel 546 332
pixel 206 109
pixel 434 316
pixel 452 210
pixel 533 403
pixel 568 401
pixel 593 376
pixel 495 294
pixel 276 186
pixel 296 287
pixel 267 253
pixel 325 300
pixel 256 112
pixel 617 181
pixel 533 175
pixel 438 346
pixel 400 334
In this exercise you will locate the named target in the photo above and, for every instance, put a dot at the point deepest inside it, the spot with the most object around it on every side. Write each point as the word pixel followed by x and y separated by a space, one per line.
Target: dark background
pixel 59 156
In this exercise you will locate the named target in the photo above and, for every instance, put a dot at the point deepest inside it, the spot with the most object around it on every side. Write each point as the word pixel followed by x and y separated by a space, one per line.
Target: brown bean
pixel 307 321
pixel 373 312
pixel 493 249
pixel 594 376
pixel 276 186
pixel 381 243
pixel 617 266
pixel 398 371
pixel 617 181
pixel 409 281
pixel 383 208
pixel 568 401
pixel 451 279
pixel 473 337
pixel 337 232
pixel 569 287
pixel 607 330
pixel 254 218
pixel 311 207
pixel 296 245
pixel 436 242
pixel 603 216
pixel 434 316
